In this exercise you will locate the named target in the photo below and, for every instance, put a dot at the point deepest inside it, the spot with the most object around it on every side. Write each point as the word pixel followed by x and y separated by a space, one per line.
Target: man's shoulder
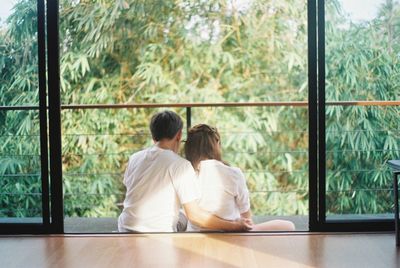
pixel 167 157
pixel 178 161
pixel 179 165
pixel 170 156
pixel 138 154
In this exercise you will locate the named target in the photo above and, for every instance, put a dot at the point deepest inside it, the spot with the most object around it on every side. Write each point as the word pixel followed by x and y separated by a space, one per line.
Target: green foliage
pixel 140 51
pixel 362 64
pixel 186 51
pixel 20 193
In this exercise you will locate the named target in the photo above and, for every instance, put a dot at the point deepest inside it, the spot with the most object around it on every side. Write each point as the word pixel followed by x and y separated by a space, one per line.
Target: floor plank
pixel 201 250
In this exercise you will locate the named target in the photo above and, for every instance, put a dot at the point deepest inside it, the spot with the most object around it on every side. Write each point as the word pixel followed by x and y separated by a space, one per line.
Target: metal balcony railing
pixel 118 194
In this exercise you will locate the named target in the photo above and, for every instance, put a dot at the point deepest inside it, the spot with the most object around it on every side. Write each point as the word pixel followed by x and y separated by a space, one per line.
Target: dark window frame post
pixel 53 54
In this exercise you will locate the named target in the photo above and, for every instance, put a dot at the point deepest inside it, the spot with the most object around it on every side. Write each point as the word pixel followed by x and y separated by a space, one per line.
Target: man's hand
pixel 245 223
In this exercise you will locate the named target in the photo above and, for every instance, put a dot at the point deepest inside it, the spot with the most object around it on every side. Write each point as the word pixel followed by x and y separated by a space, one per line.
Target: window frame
pixel 51 141
pixel 317 141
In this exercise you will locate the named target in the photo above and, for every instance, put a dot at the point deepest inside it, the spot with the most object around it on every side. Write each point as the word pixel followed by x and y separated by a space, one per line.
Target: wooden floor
pixel 201 250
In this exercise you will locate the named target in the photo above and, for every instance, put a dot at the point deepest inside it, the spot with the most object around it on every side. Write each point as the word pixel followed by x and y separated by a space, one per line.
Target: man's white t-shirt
pixel 157 182
pixel 223 191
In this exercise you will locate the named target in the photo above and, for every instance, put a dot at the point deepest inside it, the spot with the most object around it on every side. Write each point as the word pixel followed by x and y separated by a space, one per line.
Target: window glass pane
pixel 18 53
pixel 362 64
pixel 20 174
pixel 115 52
pixel 273 157
pixel 183 51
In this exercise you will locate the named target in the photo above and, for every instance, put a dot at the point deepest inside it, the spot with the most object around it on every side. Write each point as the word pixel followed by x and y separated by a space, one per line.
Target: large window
pixel 304 93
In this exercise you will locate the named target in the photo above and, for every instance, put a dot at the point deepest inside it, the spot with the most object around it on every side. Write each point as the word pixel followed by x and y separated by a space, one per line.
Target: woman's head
pixel 203 142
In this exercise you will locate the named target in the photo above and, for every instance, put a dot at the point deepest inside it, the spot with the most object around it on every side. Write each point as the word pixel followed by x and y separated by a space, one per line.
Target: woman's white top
pixel 223 191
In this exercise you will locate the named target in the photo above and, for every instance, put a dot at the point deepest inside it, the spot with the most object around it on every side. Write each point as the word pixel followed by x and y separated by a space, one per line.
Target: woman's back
pixel 223 190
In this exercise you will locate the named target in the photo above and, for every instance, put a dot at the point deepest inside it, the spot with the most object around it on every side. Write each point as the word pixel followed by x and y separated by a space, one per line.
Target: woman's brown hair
pixel 203 142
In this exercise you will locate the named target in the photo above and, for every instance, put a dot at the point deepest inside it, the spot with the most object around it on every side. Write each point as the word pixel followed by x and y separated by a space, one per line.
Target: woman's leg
pixel 274 225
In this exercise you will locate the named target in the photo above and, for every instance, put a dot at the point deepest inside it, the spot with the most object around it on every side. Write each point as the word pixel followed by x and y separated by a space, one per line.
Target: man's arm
pixel 207 220
pixel 246 214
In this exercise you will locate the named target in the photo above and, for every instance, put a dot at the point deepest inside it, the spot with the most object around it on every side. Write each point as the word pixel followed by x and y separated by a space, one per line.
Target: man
pixel 158 181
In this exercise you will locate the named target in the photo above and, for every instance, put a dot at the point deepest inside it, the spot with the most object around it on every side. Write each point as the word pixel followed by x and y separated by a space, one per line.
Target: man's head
pixel 166 125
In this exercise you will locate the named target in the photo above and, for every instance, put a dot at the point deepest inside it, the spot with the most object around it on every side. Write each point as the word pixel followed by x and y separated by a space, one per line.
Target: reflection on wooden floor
pixel 201 250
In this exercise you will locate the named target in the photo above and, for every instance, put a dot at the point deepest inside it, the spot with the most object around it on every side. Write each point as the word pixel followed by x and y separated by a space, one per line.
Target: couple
pixel 159 182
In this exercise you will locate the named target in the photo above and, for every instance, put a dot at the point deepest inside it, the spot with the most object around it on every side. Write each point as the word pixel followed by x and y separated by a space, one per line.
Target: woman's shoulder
pixel 231 171
pixel 237 172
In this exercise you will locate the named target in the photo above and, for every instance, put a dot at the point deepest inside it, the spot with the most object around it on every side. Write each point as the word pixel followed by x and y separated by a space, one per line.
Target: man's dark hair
pixel 165 125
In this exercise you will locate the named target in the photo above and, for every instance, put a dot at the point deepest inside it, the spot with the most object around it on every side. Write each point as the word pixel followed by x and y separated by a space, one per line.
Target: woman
pixel 223 189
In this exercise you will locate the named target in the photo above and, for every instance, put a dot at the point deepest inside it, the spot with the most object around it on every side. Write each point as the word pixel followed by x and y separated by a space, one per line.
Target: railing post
pixel 188 118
